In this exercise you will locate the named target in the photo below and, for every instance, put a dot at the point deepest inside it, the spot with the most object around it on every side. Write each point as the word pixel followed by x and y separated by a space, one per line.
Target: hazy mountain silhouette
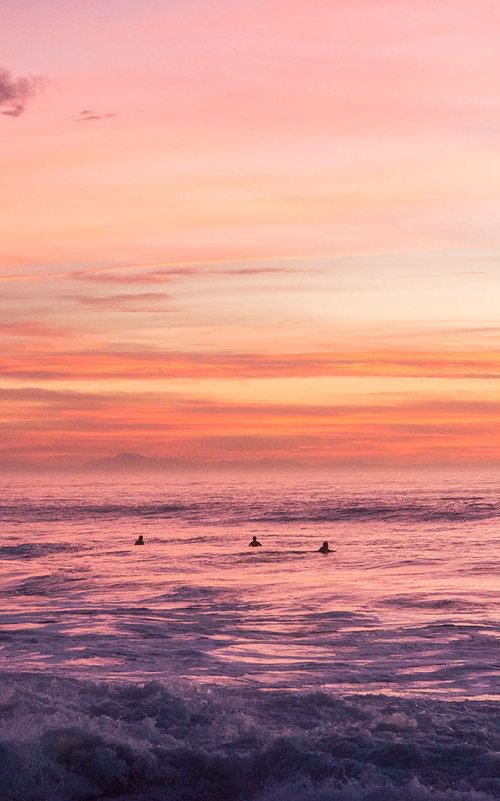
pixel 129 462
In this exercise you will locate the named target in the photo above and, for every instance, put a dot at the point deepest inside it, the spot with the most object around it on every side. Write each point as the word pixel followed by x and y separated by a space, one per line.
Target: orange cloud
pixel 147 363
pixel 54 425
pixel 33 329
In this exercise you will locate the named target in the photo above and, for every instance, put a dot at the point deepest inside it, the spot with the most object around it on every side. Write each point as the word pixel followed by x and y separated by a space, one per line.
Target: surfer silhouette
pixel 255 543
pixel 325 548
pixel 139 540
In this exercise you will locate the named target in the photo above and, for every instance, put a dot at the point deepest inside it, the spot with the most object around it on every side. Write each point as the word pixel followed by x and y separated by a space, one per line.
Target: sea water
pixel 196 668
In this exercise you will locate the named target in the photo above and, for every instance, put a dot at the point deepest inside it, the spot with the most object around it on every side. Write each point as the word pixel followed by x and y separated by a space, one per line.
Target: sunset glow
pixel 234 232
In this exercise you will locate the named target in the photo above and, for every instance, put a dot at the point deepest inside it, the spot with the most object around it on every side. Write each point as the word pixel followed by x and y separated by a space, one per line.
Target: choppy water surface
pixel 188 632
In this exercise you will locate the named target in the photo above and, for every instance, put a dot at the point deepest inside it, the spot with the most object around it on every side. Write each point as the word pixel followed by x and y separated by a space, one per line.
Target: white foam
pixel 63 739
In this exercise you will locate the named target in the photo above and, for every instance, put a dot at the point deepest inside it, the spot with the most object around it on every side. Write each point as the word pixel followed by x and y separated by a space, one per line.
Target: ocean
pixel 195 668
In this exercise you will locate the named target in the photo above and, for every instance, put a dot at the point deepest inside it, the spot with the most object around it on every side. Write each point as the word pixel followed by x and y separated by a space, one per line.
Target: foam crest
pixel 63 739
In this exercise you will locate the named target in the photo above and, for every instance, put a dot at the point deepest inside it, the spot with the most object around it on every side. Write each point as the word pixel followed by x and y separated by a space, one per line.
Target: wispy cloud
pixel 33 328
pixel 168 274
pixel 48 399
pixel 89 115
pixel 140 302
pixel 154 364
pixel 15 92
pixel 55 423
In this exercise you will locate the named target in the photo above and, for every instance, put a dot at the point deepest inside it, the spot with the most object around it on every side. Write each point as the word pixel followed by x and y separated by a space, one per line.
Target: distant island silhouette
pixel 133 462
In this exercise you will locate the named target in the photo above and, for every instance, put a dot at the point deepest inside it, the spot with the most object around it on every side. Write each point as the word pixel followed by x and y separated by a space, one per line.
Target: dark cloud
pixel 89 115
pixel 15 93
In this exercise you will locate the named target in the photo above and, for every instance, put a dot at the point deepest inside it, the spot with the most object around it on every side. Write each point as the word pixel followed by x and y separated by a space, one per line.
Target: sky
pixel 250 232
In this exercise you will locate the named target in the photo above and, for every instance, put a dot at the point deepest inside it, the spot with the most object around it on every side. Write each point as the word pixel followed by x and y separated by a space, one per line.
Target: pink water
pixel 195 668
pixel 408 603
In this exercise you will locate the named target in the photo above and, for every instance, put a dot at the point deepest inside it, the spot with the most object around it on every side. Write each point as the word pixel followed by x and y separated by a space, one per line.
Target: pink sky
pixel 233 231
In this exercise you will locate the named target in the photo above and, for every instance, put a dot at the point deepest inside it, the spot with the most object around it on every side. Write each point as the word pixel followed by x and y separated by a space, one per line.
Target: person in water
pixel 139 540
pixel 255 543
pixel 325 548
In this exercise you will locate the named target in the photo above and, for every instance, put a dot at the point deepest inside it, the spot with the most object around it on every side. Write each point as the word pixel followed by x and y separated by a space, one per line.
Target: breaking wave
pixel 63 739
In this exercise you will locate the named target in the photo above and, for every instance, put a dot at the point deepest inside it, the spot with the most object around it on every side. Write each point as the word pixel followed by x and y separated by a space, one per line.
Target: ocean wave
pixel 399 512
pixel 235 509
pixel 68 740
pixel 35 550
pixel 49 584
pixel 66 510
pixel 425 602
pixel 192 592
